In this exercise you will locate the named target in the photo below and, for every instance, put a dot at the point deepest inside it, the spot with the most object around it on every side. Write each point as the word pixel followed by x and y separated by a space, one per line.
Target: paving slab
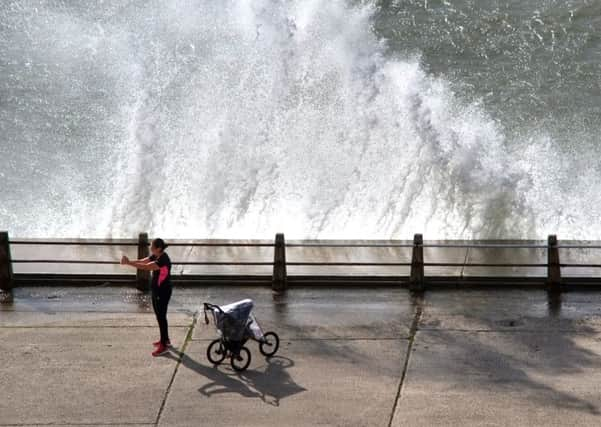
pixel 500 358
pixel 74 356
pixel 309 383
pixel 84 307
pixel 53 299
pixel 82 375
pixel 324 313
pixel 487 410
pixel 501 379
pixel 87 319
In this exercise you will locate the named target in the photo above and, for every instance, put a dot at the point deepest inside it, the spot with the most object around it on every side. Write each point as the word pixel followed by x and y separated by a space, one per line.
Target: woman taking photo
pixel 160 265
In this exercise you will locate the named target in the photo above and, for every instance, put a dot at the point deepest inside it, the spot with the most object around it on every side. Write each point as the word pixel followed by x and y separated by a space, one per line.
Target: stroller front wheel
pixel 241 361
pixel 216 352
pixel 270 344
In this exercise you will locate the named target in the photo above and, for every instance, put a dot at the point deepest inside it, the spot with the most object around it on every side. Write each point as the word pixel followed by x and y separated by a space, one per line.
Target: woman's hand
pixel 124 260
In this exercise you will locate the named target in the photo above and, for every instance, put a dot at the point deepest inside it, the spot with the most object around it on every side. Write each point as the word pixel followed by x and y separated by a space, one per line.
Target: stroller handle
pixel 209 306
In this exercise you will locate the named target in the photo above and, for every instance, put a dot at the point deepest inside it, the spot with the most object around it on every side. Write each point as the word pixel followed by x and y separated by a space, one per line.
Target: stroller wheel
pixel 216 352
pixel 242 360
pixel 270 344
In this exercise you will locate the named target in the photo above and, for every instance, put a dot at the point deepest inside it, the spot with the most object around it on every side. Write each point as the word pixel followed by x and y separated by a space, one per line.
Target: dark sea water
pixel 338 119
pixel 529 62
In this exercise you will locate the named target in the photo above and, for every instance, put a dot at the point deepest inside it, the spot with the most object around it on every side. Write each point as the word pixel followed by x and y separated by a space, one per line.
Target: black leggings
pixel 160 301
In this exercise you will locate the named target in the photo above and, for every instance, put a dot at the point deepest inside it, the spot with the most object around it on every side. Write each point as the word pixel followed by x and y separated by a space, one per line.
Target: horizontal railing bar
pixel 348 245
pixel 484 246
pixel 175 244
pixel 366 264
pixel 461 264
pixel 65 261
pixel 70 243
pixel 224 245
pixel 579 247
pixel 222 263
pixel 62 261
pixel 581 265
pixel 302 245
pixel 351 264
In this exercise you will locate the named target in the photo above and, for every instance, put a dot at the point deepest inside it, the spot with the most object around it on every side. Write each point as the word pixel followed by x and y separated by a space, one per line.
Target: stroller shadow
pixel 270 382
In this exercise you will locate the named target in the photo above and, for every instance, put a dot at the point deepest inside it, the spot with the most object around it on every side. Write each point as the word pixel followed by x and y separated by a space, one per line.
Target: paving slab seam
pixel 182 352
pixel 413 331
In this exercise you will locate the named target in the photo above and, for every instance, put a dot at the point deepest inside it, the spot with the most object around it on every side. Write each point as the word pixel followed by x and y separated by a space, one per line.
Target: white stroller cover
pixel 232 323
pixel 239 310
pixel 254 328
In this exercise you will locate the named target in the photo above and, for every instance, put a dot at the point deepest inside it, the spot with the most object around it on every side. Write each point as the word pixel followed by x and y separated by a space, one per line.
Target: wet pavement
pixel 348 357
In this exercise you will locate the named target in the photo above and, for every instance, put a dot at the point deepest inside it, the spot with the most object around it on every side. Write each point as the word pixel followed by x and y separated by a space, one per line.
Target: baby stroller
pixel 236 324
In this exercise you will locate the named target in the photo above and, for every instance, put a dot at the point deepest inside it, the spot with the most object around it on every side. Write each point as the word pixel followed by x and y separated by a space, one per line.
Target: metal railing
pixel 279 278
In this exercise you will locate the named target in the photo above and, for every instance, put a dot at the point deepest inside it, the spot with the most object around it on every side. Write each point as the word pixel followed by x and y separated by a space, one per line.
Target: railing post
pixel 416 280
pixel 143 276
pixel 280 278
pixel 6 267
pixel 553 265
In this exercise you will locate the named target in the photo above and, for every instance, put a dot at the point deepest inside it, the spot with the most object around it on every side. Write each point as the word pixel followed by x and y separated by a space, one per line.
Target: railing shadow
pixel 526 351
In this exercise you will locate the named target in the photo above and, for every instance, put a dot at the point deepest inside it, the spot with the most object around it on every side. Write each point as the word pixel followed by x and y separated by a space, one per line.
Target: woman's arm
pixel 150 266
pixel 140 264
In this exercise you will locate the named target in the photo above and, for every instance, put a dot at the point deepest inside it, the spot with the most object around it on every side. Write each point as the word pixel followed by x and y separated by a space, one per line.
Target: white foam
pixel 243 118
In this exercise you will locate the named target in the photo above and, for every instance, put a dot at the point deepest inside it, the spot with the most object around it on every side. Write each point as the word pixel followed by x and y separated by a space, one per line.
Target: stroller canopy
pixel 239 310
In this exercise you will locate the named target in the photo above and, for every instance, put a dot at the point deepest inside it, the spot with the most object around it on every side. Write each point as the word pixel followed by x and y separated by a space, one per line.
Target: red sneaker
pixel 158 343
pixel 161 349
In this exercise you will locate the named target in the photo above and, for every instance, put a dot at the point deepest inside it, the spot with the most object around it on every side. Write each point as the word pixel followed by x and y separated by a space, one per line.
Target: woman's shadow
pixel 270 382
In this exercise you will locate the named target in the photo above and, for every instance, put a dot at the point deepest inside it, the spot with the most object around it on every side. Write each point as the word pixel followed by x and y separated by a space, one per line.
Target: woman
pixel 160 265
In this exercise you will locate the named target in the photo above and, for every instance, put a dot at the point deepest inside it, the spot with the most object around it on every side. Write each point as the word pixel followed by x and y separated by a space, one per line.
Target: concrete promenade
pixel 348 357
